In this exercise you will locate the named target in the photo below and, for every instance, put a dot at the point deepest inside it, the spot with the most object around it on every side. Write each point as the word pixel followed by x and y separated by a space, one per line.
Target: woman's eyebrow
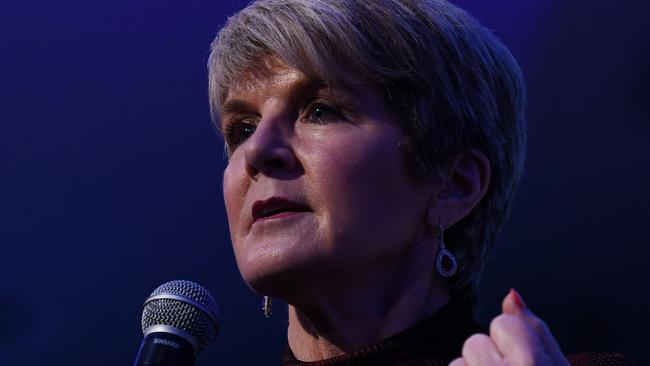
pixel 237 106
pixel 341 88
pixel 305 86
pixel 301 86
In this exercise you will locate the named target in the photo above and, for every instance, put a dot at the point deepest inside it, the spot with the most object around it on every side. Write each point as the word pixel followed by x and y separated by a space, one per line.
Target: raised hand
pixel 517 338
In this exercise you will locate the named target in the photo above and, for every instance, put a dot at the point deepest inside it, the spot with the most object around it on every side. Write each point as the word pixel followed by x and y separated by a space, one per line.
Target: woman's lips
pixel 275 208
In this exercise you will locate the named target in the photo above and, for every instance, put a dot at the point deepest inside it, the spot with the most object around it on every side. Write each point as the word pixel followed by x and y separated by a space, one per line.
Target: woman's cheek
pixel 234 193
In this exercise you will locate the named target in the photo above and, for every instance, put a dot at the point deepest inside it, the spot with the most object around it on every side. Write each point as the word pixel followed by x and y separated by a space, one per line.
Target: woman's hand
pixel 517 338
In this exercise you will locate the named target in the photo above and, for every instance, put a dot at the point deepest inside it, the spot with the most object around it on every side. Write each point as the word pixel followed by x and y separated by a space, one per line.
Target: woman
pixel 374 150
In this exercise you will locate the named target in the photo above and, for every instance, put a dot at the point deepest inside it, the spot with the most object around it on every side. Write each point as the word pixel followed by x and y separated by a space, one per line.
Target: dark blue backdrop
pixel 110 177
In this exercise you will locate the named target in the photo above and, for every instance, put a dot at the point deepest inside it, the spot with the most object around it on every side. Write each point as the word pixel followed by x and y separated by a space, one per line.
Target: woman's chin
pixel 274 276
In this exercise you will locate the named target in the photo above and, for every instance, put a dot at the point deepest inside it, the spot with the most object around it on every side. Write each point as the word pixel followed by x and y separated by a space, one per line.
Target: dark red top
pixel 435 341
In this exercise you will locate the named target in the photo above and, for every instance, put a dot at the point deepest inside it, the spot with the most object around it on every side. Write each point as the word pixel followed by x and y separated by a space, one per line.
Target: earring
pixel 267 307
pixel 442 253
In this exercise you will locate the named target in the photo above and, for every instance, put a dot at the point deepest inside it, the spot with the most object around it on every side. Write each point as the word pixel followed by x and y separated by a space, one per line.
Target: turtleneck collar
pixel 435 340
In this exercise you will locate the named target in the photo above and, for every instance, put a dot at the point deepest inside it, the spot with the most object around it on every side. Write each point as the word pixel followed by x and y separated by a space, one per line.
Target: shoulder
pixel 599 359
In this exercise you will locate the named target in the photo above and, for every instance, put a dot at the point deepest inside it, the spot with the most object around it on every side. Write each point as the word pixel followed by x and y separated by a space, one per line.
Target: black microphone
pixel 179 320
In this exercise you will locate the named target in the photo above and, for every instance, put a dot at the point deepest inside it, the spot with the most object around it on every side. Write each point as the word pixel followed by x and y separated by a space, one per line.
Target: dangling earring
pixel 267 307
pixel 442 253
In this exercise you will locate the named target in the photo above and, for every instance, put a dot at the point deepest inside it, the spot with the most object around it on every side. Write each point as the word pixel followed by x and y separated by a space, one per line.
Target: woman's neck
pixel 348 320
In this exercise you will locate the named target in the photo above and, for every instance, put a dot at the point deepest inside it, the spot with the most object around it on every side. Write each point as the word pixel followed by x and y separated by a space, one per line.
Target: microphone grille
pixel 184 305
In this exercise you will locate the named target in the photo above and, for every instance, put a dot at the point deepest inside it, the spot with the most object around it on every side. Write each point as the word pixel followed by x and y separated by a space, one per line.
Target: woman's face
pixel 317 185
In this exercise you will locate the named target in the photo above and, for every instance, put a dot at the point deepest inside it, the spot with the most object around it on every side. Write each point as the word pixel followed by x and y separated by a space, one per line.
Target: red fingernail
pixel 518 299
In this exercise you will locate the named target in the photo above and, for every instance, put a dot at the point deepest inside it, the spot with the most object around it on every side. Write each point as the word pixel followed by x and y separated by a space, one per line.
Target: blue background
pixel 110 177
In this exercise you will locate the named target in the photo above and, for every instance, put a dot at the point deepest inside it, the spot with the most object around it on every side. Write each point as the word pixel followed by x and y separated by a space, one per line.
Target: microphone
pixel 179 320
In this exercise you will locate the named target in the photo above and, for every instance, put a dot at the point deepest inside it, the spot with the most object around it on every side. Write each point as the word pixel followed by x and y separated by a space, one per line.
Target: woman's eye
pixel 321 113
pixel 238 132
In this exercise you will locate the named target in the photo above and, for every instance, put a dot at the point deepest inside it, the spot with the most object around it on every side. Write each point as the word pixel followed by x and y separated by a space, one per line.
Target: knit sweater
pixel 435 341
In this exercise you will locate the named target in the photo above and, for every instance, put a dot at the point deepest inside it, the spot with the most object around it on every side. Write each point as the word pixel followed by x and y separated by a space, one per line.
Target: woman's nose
pixel 268 151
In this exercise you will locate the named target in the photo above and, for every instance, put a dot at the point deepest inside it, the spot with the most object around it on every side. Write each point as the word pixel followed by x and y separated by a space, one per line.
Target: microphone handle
pixel 165 349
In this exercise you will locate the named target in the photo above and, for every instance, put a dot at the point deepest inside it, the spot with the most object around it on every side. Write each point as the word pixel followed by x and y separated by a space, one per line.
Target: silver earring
pixel 267 306
pixel 442 254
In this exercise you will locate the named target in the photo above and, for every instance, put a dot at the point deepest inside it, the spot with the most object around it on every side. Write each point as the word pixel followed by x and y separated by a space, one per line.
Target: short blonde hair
pixel 454 84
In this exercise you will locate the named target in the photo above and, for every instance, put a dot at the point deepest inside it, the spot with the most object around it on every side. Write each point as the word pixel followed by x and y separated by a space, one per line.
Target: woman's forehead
pixel 271 71
pixel 265 74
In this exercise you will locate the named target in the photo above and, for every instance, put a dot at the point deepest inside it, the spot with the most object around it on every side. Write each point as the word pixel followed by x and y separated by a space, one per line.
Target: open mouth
pixel 276 207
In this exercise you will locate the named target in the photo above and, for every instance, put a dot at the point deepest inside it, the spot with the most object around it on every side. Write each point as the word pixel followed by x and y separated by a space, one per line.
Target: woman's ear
pixel 465 179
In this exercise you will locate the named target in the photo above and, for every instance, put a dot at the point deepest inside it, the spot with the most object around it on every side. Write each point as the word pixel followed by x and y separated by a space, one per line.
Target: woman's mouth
pixel 276 208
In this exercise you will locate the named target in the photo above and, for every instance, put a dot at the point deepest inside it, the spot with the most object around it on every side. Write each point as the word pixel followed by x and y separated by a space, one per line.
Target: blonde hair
pixel 454 84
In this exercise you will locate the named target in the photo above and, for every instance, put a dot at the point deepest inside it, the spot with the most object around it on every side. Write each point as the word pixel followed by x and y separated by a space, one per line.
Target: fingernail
pixel 518 299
